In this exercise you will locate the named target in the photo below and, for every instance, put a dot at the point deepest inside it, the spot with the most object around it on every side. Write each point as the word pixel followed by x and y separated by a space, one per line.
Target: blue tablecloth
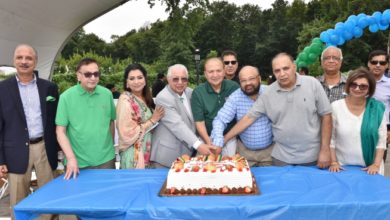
pixel 286 193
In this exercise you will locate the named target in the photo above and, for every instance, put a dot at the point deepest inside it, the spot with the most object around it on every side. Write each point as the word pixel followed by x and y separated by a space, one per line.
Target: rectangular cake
pixel 209 175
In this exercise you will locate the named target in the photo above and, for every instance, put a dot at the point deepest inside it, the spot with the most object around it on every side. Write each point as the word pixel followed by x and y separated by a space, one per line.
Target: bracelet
pixel 334 163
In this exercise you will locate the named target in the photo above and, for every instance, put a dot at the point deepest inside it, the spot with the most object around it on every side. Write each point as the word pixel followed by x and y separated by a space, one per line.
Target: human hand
pixel 3 170
pixel 157 114
pixel 72 169
pixel 206 149
pixel 217 150
pixel 372 169
pixel 335 167
pixel 323 158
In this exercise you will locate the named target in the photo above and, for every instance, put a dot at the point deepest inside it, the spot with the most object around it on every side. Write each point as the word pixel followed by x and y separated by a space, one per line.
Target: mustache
pixel 24 65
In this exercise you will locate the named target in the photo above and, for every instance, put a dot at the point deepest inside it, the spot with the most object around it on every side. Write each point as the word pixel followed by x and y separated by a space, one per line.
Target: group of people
pixel 329 121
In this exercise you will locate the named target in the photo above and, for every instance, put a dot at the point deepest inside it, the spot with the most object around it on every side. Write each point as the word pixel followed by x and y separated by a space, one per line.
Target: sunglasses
pixel 361 86
pixel 375 62
pixel 233 62
pixel 177 79
pixel 89 74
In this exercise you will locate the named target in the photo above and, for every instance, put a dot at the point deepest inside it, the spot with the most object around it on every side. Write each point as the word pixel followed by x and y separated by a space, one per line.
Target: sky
pixel 137 13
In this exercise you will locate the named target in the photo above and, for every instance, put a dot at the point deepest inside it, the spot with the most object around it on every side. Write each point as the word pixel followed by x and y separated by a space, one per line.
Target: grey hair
pixel 29 46
pixel 176 66
pixel 332 47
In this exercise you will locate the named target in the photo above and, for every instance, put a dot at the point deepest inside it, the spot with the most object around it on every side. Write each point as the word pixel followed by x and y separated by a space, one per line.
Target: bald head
pixel 250 81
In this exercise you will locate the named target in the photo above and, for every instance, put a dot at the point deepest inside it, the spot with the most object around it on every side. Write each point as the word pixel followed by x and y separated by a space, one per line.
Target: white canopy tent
pixel 46 25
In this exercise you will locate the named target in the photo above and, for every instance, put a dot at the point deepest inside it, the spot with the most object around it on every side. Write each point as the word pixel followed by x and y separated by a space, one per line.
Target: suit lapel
pixel 180 104
pixel 42 99
pixel 15 93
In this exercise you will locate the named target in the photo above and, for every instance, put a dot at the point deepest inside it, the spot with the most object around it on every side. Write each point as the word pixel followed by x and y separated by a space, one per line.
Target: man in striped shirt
pixel 332 80
pixel 254 143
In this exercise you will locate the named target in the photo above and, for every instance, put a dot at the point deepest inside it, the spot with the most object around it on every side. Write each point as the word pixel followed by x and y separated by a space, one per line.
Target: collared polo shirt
pixel 336 92
pixel 205 102
pixel 382 93
pixel 87 118
pixel 296 118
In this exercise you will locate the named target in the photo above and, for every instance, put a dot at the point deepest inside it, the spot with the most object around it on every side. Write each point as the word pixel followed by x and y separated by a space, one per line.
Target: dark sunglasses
pixel 233 62
pixel 177 79
pixel 89 74
pixel 375 62
pixel 361 87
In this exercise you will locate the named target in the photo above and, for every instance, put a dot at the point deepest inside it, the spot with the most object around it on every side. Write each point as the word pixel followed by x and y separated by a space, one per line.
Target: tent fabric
pixel 46 25
pixel 290 192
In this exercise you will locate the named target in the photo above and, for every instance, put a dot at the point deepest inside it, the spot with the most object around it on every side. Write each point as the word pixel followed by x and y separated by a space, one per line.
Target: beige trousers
pixel 19 184
pixel 255 158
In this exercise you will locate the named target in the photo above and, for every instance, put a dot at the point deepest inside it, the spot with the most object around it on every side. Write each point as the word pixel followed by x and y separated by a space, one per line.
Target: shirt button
pixel 26 143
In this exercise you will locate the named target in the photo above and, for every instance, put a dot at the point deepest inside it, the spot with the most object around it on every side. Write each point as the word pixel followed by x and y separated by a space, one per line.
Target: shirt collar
pixel 210 89
pixel 33 81
pixel 82 91
pixel 343 78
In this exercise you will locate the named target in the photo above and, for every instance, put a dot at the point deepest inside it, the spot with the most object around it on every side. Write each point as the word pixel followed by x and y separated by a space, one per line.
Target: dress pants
pixel 19 184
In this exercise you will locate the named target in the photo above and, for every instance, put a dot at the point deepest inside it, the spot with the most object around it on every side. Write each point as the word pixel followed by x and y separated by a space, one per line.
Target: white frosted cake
pixel 209 175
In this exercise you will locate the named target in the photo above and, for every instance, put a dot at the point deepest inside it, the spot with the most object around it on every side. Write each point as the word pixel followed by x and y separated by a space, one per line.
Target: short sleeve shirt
pixel 87 118
pixel 205 102
pixel 296 118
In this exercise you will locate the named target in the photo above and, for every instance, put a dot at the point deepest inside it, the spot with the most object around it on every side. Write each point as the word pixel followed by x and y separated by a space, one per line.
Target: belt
pixel 36 140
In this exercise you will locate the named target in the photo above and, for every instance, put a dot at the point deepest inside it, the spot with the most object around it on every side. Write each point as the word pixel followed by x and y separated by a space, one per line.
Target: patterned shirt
pixel 257 136
pixel 382 93
pixel 336 92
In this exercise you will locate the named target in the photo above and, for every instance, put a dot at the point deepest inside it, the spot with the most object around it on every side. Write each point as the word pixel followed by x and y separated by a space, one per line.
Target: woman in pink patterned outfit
pixel 135 116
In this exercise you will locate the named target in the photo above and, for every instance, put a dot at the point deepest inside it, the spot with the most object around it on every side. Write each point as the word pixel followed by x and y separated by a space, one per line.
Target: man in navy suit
pixel 28 106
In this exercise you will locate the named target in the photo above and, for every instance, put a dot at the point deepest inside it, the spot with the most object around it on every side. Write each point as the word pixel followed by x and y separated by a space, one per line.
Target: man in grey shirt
pixel 300 113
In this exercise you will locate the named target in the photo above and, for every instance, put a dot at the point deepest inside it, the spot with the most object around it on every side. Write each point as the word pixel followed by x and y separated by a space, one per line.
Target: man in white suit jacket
pixel 175 135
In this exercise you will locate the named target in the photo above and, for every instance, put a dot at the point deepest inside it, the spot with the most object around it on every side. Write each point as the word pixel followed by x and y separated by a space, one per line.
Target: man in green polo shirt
pixel 210 96
pixel 85 122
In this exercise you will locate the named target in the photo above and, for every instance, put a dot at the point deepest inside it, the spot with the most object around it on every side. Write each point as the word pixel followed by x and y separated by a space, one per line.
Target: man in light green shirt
pixel 85 122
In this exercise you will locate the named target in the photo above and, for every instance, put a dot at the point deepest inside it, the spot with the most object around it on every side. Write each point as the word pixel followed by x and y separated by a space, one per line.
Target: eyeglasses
pixel 233 62
pixel 327 58
pixel 177 79
pixel 361 86
pixel 89 74
pixel 375 62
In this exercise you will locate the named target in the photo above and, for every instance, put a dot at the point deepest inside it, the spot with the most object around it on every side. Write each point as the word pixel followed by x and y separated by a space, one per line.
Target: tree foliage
pixel 256 34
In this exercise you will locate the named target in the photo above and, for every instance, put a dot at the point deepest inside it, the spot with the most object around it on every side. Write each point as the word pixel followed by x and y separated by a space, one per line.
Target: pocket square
pixel 50 99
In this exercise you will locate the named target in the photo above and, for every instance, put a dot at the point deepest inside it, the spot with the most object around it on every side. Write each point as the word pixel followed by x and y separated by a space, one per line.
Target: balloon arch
pixel 342 32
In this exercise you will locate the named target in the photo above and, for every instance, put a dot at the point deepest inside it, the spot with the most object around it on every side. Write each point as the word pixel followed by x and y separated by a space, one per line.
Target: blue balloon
pixel 361 15
pixel 357 32
pixel 371 20
pixel 386 15
pixel 339 28
pixel 324 36
pixel 377 15
pixel 383 21
pixel 383 27
pixel 334 39
pixel 349 25
pixel 341 41
pixel 353 19
pixel 373 28
pixel 363 22
pixel 347 35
